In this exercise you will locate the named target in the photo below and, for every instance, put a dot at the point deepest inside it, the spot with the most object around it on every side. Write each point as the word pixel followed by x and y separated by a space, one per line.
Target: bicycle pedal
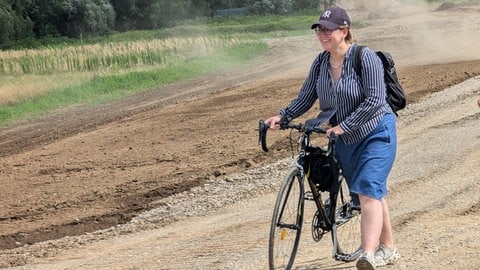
pixel 356 208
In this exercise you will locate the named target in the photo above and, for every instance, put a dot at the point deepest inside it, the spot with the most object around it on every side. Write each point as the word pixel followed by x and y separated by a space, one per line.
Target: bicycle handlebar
pixel 262 135
pixel 263 128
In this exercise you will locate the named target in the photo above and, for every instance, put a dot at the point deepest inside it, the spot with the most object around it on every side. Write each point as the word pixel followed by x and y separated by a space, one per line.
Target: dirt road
pixel 174 178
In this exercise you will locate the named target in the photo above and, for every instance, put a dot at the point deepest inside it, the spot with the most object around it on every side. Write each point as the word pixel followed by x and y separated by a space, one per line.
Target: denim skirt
pixel 367 163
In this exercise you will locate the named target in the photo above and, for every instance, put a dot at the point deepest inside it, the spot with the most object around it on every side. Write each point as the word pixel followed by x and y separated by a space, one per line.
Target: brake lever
pixel 332 139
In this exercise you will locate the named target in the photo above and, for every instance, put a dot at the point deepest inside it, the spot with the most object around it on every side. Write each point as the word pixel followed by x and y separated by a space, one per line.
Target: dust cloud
pixel 429 40
pixel 451 42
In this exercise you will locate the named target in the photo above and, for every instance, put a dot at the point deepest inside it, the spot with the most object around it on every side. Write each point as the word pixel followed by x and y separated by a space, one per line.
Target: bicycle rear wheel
pixel 346 231
pixel 287 222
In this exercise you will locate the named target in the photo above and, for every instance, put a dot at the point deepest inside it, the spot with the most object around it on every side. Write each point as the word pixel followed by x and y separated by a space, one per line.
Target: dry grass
pixel 118 55
pixel 29 73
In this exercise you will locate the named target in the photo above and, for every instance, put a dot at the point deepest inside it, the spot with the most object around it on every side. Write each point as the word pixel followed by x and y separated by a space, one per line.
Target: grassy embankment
pixel 98 70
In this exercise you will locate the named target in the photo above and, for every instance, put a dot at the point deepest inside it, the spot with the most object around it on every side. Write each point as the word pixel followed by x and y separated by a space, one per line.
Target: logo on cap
pixel 326 14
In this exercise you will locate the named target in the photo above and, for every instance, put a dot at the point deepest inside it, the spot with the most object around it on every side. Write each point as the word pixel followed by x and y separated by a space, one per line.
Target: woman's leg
pixel 372 223
pixel 376 224
pixel 386 237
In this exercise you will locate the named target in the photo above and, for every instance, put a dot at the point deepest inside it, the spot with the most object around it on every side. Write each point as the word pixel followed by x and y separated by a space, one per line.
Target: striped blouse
pixel 357 103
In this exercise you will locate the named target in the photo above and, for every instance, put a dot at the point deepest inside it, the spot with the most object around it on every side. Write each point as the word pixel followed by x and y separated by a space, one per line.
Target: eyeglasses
pixel 325 31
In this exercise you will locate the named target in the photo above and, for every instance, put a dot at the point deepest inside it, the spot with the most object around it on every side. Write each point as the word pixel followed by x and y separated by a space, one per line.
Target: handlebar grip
pixel 333 137
pixel 262 134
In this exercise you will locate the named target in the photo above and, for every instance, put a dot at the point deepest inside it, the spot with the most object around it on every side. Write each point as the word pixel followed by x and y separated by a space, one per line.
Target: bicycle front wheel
pixel 287 222
pixel 346 231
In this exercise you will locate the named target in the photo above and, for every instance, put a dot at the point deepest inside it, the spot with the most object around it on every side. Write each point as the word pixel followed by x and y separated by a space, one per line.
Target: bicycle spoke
pixel 346 231
pixel 286 223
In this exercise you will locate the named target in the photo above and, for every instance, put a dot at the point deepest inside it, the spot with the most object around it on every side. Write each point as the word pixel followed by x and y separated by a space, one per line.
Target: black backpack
pixel 396 96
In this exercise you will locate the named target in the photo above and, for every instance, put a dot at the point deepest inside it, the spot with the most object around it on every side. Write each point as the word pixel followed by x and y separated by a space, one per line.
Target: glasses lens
pixel 325 31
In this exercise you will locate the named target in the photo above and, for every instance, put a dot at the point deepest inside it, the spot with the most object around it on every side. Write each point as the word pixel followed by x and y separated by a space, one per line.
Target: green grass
pixel 108 88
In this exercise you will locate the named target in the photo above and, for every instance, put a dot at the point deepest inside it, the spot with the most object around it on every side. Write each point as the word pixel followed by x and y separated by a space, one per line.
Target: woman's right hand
pixel 274 122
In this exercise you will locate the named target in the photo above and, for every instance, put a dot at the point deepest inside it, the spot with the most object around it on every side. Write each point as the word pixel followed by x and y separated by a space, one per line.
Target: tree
pixel 13 26
pixel 305 4
pixel 132 14
pixel 327 3
pixel 43 14
pixel 200 8
pixel 150 14
pixel 269 6
pixel 22 20
pixel 6 25
pixel 85 17
pixel 164 13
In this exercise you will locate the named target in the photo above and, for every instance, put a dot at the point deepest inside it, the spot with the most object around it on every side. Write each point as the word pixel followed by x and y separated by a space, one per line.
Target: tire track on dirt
pixel 431 201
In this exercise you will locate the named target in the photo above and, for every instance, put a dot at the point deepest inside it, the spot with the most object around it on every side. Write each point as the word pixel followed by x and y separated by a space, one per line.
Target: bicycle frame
pixel 305 149
pixel 325 218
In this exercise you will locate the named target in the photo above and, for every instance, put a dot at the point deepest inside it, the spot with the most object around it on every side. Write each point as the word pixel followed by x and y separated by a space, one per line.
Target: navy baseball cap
pixel 333 18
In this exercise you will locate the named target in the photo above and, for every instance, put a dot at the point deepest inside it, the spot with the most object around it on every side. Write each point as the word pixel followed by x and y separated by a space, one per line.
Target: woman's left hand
pixel 337 130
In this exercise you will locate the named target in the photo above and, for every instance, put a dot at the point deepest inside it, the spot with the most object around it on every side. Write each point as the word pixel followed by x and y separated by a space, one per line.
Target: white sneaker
pixel 366 262
pixel 385 255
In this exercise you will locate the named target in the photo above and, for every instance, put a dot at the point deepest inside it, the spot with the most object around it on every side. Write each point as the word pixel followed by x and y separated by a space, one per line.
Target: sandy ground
pixel 88 188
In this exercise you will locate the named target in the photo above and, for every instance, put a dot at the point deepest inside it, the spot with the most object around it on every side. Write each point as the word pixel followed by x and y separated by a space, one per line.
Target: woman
pixel 356 108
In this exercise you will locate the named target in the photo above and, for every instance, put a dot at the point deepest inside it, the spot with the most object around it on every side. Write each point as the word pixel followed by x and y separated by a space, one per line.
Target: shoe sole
pixel 364 265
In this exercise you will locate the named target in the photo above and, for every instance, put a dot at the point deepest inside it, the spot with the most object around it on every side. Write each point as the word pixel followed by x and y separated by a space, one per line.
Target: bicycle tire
pixel 346 231
pixel 287 220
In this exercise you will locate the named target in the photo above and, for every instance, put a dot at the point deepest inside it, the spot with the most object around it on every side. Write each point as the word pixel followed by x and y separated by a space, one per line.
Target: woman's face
pixel 330 39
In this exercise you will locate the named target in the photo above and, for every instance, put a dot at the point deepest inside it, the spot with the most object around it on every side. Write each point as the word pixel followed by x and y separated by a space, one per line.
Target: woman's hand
pixel 337 130
pixel 274 122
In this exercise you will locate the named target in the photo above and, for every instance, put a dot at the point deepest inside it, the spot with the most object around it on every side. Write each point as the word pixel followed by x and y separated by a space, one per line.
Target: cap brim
pixel 326 24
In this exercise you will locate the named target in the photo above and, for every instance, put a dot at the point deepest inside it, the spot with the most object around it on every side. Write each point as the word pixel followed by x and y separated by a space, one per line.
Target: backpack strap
pixel 357 60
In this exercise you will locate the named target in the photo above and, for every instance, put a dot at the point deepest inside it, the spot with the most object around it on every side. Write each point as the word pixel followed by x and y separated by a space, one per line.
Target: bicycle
pixel 336 214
